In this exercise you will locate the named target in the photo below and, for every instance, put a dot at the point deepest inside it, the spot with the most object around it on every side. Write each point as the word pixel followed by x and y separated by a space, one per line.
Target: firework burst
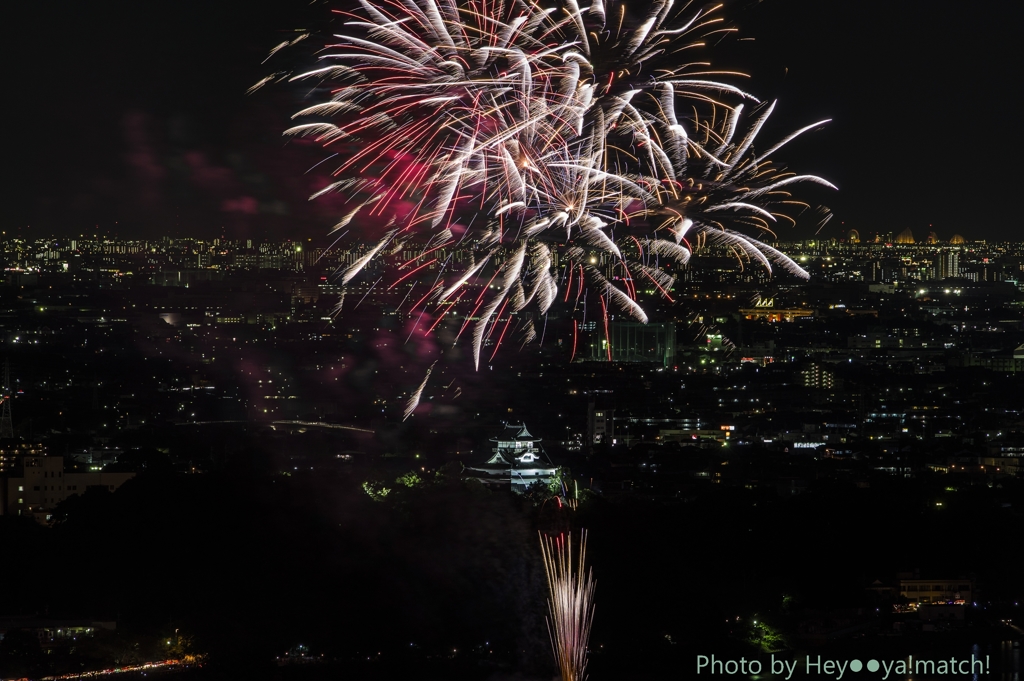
pixel 570 602
pixel 528 156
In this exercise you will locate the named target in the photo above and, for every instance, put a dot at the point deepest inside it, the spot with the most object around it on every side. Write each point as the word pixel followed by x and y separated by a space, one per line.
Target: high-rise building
pixel 814 375
pixel 600 417
pixel 6 424
pixel 949 265
pixel 635 342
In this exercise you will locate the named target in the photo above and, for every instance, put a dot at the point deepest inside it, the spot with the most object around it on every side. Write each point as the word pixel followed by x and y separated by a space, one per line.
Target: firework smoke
pixel 570 603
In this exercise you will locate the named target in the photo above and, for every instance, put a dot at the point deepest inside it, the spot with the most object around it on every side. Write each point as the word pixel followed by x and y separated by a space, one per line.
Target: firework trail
pixel 510 148
pixel 414 399
pixel 570 603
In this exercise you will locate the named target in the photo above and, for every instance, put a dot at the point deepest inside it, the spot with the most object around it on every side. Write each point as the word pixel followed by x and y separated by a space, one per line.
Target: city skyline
pixel 228 403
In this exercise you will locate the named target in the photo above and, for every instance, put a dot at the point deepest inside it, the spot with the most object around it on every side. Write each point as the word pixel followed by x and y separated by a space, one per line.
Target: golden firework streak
pixel 570 602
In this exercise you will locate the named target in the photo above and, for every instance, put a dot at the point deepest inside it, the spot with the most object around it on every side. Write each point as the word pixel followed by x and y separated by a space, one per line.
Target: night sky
pixel 131 118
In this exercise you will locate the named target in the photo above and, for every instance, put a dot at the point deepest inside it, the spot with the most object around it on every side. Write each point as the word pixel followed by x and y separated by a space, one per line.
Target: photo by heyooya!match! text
pixel 818 665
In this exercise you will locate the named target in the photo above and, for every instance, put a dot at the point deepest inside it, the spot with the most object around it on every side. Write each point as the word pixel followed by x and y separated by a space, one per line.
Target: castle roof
pixel 515 432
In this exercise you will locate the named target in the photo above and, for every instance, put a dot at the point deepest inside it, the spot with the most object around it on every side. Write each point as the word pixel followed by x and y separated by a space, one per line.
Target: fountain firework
pixel 570 602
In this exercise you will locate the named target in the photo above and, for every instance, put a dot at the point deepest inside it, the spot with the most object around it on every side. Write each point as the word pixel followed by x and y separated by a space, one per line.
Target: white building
pixel 517 460
pixel 39 483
